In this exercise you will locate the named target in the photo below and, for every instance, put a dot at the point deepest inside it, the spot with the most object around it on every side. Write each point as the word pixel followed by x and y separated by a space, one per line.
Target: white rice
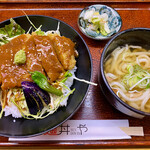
pixel 12 110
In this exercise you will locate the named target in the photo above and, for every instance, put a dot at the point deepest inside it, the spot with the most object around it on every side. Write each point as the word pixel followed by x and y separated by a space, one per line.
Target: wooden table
pixel 135 13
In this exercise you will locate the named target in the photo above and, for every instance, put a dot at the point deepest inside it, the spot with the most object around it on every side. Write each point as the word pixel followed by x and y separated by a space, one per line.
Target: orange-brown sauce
pixel 12 75
pixel 33 63
pixel 65 50
pixel 48 57
pixel 40 56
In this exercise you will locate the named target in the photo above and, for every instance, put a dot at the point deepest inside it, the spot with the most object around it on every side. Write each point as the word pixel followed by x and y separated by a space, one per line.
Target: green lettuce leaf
pixel 39 32
pixel 9 31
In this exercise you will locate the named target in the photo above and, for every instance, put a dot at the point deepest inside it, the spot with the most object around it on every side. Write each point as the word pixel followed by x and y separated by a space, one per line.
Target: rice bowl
pixel 21 127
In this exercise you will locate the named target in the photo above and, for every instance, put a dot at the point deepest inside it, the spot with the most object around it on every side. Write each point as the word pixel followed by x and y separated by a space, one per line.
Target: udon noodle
pixel 127 70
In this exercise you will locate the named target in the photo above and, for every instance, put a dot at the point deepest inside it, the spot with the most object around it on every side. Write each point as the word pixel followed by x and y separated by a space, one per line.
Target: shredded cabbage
pixel 47 110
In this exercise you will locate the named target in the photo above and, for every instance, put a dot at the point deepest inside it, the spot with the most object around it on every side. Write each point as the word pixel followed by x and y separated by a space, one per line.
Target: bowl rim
pixel 88 86
pixel 99 39
pixel 104 77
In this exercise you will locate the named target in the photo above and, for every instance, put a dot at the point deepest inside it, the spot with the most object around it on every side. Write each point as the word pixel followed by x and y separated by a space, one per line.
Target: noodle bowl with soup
pixel 125 72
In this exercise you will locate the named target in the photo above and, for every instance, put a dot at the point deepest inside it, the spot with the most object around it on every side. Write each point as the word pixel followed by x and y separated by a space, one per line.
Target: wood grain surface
pixel 69 1
pixel 95 106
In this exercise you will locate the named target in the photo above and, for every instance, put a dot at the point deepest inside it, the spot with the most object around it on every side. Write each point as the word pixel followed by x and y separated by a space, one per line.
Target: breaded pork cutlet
pixel 11 73
pixel 65 50
pixel 0 78
pixel 48 57
pixel 33 63
pixel 52 55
